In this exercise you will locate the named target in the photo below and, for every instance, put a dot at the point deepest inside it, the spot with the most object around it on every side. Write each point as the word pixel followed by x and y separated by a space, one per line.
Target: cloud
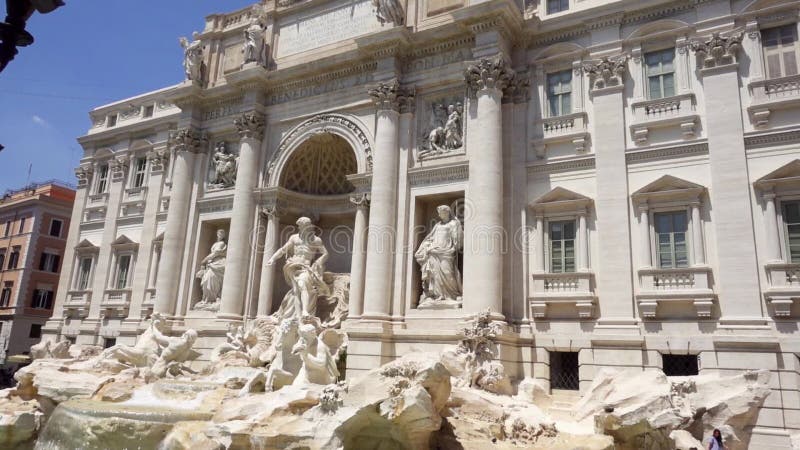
pixel 41 122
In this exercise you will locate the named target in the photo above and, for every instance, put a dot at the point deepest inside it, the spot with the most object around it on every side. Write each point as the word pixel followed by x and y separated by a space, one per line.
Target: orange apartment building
pixel 33 233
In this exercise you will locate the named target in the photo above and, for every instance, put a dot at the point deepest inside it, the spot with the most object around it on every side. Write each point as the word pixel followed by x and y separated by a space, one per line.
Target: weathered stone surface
pixel 20 421
pixel 54 380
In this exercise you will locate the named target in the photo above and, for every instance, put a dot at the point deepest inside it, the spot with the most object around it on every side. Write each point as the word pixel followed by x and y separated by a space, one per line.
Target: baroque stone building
pixel 627 175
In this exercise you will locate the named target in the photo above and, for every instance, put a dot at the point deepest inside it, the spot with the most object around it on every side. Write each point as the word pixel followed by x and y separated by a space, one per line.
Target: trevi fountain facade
pixel 438 224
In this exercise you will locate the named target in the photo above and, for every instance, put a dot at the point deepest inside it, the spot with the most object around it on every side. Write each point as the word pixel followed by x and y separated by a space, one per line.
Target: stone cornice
pixel 438 174
pixel 772 138
pixel 215 204
pixel 666 152
pixel 586 162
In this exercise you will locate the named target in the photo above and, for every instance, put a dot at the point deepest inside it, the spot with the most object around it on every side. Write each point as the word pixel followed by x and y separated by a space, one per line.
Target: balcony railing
pixel 692 284
pixel 115 302
pixel 77 304
pixel 569 128
pixel 773 94
pixel 672 112
pixel 573 289
pixel 784 287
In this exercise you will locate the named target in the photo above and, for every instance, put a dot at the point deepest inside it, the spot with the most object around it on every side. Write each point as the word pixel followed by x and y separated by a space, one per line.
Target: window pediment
pixel 659 30
pixel 86 246
pixel 124 243
pixel 668 188
pixel 785 178
pixel 561 200
pixel 562 51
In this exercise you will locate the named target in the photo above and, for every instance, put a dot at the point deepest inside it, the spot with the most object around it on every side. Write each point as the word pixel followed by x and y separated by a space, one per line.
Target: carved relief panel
pixel 441 126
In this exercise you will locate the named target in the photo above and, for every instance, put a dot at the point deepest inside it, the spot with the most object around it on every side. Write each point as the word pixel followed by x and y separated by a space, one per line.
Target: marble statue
pixel 285 363
pixel 389 11
pixel 303 271
pixel 175 351
pixel 446 130
pixel 193 58
pixel 254 43
pixel 319 355
pixel 50 350
pixel 211 274
pixel 437 257
pixel 225 167
pixel 143 354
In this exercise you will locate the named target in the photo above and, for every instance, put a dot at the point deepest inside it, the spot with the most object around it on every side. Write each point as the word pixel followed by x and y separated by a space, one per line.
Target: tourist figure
pixel 211 274
pixel 715 441
pixel 437 255
pixel 302 271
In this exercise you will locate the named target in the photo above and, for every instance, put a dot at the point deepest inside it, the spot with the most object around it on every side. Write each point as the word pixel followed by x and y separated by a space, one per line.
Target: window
pixel 562 246
pixel 109 342
pixel 21 226
pixel 123 267
pixel 112 120
pixel 55 227
pixel 780 50
pixel 8 229
pixel 49 262
pixel 564 371
pixel 84 271
pixel 102 179
pixel 680 365
pixel 147 111
pixel 556 6
pixel 36 331
pixel 671 239
pixel 42 299
pixel 5 295
pixel 13 259
pixel 660 73
pixel 791 220
pixel 2 258
pixel 139 171
pixel 559 93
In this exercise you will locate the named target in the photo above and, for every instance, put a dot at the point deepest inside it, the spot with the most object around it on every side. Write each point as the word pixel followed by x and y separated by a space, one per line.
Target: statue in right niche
pixel 437 256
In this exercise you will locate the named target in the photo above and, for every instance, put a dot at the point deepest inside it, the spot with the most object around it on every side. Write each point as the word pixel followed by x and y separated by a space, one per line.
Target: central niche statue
pixel 302 271
pixel 211 274
pixel 225 166
pixel 441 279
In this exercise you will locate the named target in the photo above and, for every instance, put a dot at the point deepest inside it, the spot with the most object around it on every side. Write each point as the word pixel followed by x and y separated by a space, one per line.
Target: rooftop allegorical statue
pixel 193 58
pixel 303 271
pixel 437 256
pixel 254 43
pixel 211 274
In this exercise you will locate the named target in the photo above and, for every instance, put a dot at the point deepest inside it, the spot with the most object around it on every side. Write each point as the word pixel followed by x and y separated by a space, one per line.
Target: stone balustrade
pixel 671 112
pixel 567 128
pixel 784 287
pixel 689 284
pixel 772 94
pixel 572 289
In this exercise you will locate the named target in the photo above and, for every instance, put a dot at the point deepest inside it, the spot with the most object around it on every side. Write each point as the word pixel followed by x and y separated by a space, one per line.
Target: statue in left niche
pixel 193 58
pixel 254 45
pixel 225 167
pixel 211 274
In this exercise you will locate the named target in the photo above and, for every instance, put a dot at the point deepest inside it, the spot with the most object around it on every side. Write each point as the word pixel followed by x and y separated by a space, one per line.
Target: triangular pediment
pixel 86 245
pixel 561 198
pixel 122 240
pixel 667 183
pixel 668 187
pixel 788 175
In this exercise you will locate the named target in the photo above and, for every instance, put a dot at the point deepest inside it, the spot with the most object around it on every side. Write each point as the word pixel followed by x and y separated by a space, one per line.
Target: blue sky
pixel 86 54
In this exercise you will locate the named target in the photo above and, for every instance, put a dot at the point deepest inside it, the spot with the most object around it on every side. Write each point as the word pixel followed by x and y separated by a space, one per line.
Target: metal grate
pixel 680 365
pixel 564 371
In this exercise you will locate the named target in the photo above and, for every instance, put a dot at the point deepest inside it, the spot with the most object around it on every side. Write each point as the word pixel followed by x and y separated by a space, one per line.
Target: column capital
pixel 389 95
pixel 271 211
pixel 250 125
pixel 488 73
pixel 717 50
pixel 608 72
pixel 360 200
pixel 119 167
pixel 188 139
pixel 518 89
pixel 157 159
pixel 83 174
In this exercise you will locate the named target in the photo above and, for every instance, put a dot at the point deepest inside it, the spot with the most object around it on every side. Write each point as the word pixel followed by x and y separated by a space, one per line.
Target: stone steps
pixel 563 401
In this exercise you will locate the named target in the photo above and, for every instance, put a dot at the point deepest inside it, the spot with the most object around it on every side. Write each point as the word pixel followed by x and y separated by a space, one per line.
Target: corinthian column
pixel 359 260
pixel 483 227
pixel 251 130
pixel 186 143
pixel 381 234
